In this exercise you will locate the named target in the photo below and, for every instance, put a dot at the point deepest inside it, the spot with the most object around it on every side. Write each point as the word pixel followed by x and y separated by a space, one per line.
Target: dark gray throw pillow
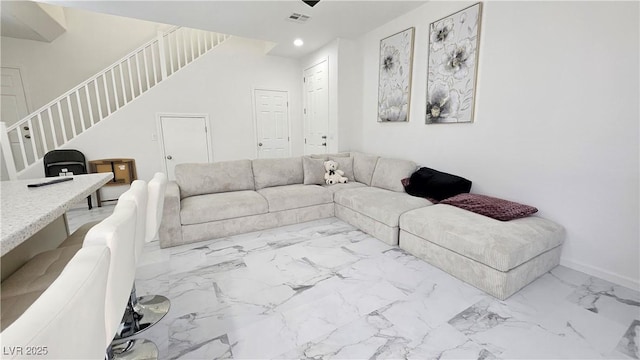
pixel 430 183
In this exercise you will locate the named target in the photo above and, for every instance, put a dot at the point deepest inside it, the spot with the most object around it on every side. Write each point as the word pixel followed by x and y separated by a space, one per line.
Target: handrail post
pixel 163 60
pixel 9 163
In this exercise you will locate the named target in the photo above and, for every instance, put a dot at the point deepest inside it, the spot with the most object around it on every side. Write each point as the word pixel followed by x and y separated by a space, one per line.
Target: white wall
pixel 556 120
pixel 219 84
pixel 92 42
pixel 350 94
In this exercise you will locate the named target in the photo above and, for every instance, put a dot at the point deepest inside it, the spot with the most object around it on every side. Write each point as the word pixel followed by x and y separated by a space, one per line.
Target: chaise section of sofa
pixel 499 257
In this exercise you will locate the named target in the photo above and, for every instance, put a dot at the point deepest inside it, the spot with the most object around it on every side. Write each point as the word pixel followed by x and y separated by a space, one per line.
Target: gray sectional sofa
pixel 209 201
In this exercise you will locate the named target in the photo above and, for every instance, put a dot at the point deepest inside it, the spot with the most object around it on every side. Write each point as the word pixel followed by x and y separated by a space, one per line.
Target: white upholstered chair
pixel 67 321
pixel 148 310
pixel 155 204
pixel 118 232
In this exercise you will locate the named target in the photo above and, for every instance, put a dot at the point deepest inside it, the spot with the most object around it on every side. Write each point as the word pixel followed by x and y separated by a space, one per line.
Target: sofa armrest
pixel 170 232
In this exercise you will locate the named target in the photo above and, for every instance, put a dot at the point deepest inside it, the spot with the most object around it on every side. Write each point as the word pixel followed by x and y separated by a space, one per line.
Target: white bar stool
pixel 68 320
pixel 146 311
pixel 118 232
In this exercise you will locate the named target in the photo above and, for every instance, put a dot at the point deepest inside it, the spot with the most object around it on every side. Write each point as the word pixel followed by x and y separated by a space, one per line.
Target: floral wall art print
pixel 453 59
pixel 394 83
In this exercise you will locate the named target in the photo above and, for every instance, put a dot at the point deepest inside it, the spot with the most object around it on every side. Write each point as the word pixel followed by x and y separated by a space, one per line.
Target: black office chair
pixel 73 161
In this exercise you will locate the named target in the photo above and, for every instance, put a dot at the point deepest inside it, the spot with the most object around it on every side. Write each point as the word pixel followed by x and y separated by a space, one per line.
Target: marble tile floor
pixel 324 289
pixel 77 217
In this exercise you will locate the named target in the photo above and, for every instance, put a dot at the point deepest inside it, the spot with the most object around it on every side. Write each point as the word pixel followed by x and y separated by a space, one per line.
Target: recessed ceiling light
pixel 298 42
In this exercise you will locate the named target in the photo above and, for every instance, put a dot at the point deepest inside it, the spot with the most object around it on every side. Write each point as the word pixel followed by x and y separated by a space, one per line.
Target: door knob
pixel 169 157
pixel 324 136
pixel 28 136
pixel 259 144
pixel 324 144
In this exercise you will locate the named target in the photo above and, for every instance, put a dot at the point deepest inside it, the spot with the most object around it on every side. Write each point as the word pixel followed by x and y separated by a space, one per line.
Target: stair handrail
pixel 90 79
pixel 93 100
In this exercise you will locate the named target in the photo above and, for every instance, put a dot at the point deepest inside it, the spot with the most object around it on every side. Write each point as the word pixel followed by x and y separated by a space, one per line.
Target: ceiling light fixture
pixel 298 42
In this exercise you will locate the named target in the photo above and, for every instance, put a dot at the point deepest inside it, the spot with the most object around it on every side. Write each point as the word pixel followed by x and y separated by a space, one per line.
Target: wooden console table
pixel 124 173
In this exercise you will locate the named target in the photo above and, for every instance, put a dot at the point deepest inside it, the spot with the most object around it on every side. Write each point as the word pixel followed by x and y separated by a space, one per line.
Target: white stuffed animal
pixel 333 175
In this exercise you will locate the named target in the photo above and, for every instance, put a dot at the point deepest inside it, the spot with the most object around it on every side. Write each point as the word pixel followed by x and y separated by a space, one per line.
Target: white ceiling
pixel 31 21
pixel 264 20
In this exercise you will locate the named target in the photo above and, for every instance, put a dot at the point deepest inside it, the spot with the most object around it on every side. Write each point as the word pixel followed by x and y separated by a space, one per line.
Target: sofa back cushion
pixel 363 167
pixel 313 171
pixel 329 156
pixel 277 172
pixel 345 164
pixel 218 177
pixel 390 172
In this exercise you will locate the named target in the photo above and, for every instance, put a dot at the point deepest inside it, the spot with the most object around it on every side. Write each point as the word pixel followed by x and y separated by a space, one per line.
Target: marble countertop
pixel 25 211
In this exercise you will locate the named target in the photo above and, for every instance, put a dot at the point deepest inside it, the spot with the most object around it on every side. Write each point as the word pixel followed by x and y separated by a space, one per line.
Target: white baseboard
pixel 601 273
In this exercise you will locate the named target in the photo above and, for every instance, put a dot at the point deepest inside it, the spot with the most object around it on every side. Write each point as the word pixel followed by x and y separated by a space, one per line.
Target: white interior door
pixel 272 123
pixel 316 108
pixel 185 139
pixel 14 108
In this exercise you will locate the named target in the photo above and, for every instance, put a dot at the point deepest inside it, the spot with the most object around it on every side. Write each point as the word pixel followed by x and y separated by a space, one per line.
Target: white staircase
pixel 53 125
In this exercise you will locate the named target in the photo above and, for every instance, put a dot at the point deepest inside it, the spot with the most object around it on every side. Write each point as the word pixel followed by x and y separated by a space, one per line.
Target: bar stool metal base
pixel 151 308
pixel 138 349
pixel 147 311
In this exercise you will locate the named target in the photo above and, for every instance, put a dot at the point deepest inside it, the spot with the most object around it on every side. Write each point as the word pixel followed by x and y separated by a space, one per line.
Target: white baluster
pixel 146 68
pixel 170 52
pixel 106 93
pixel 33 139
pixel 124 91
pixel 89 107
pixel 161 56
pixel 84 128
pixel 53 128
pixel 63 128
pixel 184 46
pixel 23 152
pixel 178 55
pixel 193 56
pixel 198 41
pixel 133 92
pixel 139 77
pixel 95 85
pixel 115 88
pixel 42 134
pixel 153 65
pixel 73 122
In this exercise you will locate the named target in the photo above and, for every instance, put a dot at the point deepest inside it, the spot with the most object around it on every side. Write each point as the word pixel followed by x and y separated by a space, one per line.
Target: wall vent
pixel 298 18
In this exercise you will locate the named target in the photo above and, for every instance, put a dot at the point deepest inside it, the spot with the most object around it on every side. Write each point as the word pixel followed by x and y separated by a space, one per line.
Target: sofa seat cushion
pixel 212 207
pixel 382 205
pixel 342 186
pixel 295 196
pixel 498 244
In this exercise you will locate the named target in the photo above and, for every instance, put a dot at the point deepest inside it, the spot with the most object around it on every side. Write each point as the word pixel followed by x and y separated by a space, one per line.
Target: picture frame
pixel 394 78
pixel 452 67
